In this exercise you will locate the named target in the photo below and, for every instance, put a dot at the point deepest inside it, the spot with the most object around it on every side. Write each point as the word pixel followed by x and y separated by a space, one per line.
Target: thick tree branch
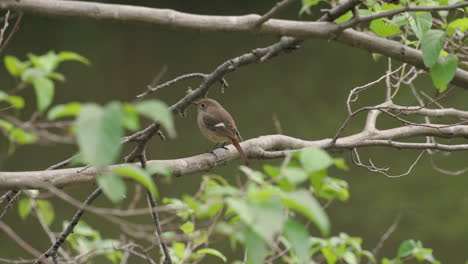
pixel 264 147
pixel 362 19
pixel 179 20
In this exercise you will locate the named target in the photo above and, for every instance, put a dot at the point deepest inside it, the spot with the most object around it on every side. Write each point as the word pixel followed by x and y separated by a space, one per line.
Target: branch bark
pixel 245 23
pixel 264 147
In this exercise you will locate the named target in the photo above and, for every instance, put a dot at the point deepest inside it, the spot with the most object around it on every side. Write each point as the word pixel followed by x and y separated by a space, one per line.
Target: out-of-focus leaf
pixel 62 110
pixel 130 121
pixel 14 66
pixel 256 247
pixel 139 175
pixel 315 159
pixel 72 56
pixel 46 209
pixel 44 89
pixel 98 133
pixel 303 202
pixel 113 187
pixel 298 236
pixel 158 112
pixel 211 251
pixel 22 137
pixel 24 207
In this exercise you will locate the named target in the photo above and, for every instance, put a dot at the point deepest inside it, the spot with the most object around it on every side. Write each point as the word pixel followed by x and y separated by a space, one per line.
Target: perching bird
pixel 218 126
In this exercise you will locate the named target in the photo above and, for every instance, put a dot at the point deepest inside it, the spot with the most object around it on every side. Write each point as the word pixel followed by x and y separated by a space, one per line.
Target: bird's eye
pixel 203 105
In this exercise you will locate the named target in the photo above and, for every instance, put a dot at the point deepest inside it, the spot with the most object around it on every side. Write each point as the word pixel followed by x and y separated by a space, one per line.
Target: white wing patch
pixel 220 125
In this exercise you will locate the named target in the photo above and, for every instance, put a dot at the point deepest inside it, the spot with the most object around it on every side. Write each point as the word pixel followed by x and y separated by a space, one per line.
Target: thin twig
pixel 12 32
pixel 159 236
pixel 52 251
pixel 278 7
pixel 5 26
pixel 385 236
pixel 152 89
pixel 10 203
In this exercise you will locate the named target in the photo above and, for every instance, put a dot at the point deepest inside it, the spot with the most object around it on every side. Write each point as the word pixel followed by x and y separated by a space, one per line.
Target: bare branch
pixel 152 89
pixel 52 251
pixel 179 20
pixel 154 214
pixel 15 196
pixel 278 7
pixel 264 147
pixel 12 32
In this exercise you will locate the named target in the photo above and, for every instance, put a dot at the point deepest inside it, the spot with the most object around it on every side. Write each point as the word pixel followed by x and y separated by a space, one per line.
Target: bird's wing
pixel 222 128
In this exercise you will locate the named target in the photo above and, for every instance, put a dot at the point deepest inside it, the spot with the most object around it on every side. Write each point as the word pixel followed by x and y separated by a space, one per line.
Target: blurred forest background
pixel 306 90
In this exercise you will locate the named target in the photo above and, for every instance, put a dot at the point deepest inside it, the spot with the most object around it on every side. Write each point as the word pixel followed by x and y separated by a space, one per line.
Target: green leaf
pixel 211 251
pixel 159 168
pixel 113 187
pixel 6 125
pixel 329 255
pixel 369 255
pixel 14 66
pixel 62 110
pixel 258 214
pixel 22 137
pixel 130 120
pixel 307 4
pixel 347 16
pixel 256 247
pixel 315 159
pixel 350 257
pixel 46 209
pixel 253 175
pixel 158 112
pixel 56 76
pixel 187 228
pixel 16 101
pixel 384 27
pixel 298 236
pixel 295 175
pixel 460 24
pixel 432 42
pixel 24 207
pixel 47 62
pixel 179 249
pixel 44 89
pixel 340 163
pixel 98 133
pixel 303 202
pixel 72 56
pixel 406 248
pixel 139 175
pixel 443 71
pixel 29 75
pixel 333 188
pixel 82 229
pixel 420 23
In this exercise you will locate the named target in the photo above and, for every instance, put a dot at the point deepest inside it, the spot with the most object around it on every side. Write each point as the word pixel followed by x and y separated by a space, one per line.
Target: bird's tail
pixel 241 152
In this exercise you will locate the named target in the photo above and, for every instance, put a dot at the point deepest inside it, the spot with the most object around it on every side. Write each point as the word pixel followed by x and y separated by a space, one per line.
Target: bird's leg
pixel 216 146
pixel 223 145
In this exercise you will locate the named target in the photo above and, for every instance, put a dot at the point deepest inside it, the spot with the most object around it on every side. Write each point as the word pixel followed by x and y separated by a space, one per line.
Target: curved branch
pixel 245 23
pixel 264 147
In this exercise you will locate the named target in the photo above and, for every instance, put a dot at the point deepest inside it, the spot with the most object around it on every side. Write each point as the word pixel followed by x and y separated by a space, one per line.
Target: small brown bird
pixel 218 126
